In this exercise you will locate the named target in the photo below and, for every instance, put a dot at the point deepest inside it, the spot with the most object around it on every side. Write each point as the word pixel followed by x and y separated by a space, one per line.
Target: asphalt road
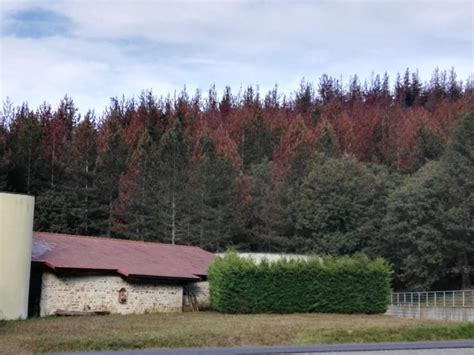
pixel 458 347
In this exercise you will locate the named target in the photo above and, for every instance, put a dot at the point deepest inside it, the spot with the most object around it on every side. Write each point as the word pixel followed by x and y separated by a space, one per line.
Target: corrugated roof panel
pixel 132 258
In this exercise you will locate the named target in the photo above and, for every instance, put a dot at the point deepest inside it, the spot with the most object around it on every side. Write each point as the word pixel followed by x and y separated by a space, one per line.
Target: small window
pixel 123 295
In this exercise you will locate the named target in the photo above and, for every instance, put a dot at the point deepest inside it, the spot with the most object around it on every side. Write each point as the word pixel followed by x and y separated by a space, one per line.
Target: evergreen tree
pixel 3 158
pixel 111 164
pixel 429 222
pixel 3 171
pixel 429 147
pixel 304 97
pixel 58 134
pixel 328 142
pixel 264 213
pixel 287 201
pixel 140 217
pixel 80 187
pixel 218 209
pixel 458 161
pixel 414 230
pixel 258 143
pixel 340 205
pixel 24 142
pixel 138 185
pixel 172 182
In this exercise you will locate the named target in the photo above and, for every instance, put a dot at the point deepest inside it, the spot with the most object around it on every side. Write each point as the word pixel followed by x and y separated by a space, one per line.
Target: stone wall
pixel 101 293
pixel 201 291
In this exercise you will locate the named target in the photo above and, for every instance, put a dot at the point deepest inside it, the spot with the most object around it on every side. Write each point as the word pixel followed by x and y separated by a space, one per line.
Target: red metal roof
pixel 126 257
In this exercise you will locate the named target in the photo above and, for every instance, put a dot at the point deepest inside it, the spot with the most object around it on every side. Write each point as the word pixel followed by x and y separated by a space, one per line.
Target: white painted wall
pixel 455 314
pixel 16 228
pixel 258 257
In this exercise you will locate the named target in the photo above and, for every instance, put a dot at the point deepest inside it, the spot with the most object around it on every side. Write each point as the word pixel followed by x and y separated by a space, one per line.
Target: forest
pixel 374 167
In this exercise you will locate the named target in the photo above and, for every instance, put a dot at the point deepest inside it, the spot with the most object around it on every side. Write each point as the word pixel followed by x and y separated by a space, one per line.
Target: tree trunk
pixel 52 164
pixel 201 220
pixel 173 218
pixel 465 273
pixel 86 212
pixel 28 179
pixel 109 222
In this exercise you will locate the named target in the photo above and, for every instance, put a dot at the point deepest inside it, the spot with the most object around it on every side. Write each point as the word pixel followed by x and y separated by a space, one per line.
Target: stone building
pixel 79 275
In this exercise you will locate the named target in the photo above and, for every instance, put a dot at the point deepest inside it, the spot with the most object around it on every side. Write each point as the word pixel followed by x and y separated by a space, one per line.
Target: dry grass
pixel 208 329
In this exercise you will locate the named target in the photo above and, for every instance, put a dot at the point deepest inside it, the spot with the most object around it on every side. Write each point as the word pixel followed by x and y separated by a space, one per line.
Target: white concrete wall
pixel 459 314
pixel 16 228
pixel 101 293
pixel 258 257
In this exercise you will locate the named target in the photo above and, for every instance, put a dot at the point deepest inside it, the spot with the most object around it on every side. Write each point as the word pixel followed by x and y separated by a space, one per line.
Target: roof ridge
pixel 118 240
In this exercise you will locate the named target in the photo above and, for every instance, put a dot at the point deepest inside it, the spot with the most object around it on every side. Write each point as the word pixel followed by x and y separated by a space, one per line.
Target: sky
pixel 95 50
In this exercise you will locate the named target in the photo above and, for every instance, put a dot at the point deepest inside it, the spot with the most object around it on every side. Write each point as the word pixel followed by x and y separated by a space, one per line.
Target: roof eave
pixel 121 272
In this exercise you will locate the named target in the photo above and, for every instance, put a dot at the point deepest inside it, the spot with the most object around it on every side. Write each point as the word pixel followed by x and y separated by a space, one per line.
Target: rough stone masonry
pixel 88 293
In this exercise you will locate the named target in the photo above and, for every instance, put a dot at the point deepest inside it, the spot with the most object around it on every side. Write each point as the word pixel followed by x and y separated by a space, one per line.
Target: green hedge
pixel 333 285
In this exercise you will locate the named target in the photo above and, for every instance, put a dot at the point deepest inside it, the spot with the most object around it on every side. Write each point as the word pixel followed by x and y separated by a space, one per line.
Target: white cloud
pixel 122 47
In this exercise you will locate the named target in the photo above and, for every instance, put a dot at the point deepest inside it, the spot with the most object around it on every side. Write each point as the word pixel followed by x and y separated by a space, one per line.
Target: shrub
pixel 332 285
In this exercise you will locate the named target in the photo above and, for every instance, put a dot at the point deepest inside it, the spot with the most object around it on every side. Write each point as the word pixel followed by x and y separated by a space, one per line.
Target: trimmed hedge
pixel 331 285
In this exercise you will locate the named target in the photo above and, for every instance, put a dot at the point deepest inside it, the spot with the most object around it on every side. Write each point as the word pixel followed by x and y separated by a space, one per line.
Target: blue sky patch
pixel 36 23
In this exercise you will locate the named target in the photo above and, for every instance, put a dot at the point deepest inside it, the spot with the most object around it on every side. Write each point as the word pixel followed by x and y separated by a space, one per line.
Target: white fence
pixel 460 298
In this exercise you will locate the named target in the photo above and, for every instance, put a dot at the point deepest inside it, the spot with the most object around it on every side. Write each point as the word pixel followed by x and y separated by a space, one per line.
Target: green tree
pixel 458 161
pixel 138 185
pixel 429 147
pixel 287 201
pixel 52 211
pixel 218 217
pixel 429 223
pixel 3 158
pixel 415 230
pixel 110 165
pixel 340 205
pixel 24 142
pixel 257 142
pixel 3 172
pixel 328 143
pixel 80 186
pixel 172 183
pixel 264 212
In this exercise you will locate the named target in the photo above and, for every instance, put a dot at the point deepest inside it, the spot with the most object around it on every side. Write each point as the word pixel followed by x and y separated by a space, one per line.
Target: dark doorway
pixel 35 290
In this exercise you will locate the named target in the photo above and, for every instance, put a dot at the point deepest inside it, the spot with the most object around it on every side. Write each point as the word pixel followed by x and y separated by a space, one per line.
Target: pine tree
pixel 111 164
pixel 56 204
pixel 258 143
pixel 138 185
pixel 218 209
pixel 80 186
pixel 264 213
pixel 3 154
pixel 171 178
pixel 26 167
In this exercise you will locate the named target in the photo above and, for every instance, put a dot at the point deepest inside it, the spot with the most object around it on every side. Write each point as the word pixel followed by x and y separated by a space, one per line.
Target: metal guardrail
pixel 446 299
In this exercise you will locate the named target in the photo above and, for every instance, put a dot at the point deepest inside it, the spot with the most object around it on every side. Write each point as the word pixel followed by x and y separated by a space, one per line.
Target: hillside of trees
pixel 334 168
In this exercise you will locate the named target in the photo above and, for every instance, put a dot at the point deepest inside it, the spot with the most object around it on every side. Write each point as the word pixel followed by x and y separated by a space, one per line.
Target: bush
pixel 332 285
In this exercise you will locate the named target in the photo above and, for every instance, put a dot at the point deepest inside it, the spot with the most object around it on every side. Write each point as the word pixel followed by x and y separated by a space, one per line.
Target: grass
pixel 208 329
